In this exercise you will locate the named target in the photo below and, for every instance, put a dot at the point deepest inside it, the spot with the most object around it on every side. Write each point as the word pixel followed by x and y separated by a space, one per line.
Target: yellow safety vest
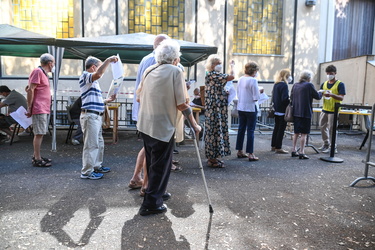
pixel 329 104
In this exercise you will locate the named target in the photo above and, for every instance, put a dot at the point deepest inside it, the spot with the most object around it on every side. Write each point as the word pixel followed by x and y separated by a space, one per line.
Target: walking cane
pixel 200 165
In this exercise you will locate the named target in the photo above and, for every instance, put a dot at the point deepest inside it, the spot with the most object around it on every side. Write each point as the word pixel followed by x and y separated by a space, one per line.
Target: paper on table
pixel 21 118
pixel 117 69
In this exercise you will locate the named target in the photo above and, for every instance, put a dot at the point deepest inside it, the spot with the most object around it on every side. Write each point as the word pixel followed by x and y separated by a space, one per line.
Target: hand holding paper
pixel 117 72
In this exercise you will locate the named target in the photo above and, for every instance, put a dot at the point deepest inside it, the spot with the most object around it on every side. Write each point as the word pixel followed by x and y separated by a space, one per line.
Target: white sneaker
pixel 324 147
pixel 75 142
pixel 328 150
pixel 24 133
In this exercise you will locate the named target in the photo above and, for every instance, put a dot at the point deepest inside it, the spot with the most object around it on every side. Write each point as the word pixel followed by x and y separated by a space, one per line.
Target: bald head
pixel 159 38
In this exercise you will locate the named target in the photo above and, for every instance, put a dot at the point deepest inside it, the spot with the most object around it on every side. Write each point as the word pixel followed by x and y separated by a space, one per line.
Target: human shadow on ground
pixel 63 211
pixel 151 232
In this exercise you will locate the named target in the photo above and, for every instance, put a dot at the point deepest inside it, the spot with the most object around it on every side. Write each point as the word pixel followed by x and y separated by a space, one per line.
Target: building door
pixel 354 28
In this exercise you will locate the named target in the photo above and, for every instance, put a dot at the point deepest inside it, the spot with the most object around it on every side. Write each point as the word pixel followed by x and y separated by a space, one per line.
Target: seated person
pixel 75 113
pixel 197 101
pixel 13 100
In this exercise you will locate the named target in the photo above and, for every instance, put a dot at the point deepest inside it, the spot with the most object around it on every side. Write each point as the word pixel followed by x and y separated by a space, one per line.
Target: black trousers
pixel 159 163
pixel 278 132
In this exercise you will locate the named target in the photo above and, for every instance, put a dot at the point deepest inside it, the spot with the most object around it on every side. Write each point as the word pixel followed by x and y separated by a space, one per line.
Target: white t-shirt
pixel 247 93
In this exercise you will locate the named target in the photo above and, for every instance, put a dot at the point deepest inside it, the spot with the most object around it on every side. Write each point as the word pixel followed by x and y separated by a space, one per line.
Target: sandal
pixel 41 163
pixel 43 158
pixel 142 192
pixel 135 184
pixel 176 168
pixel 253 158
pixel 241 155
pixel 215 164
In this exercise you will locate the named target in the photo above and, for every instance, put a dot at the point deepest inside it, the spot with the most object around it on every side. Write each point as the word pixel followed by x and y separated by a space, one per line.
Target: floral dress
pixel 216 116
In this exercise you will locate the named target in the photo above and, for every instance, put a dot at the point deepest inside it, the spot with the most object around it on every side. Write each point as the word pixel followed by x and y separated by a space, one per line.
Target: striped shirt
pixel 91 93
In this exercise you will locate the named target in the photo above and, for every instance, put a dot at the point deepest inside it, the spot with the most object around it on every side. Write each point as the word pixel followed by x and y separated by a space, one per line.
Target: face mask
pixel 330 77
pixel 218 68
pixel 256 75
pixel 290 79
pixel 53 69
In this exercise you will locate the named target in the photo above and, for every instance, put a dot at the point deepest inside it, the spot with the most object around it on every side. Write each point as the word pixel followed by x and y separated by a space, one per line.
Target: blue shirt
pixel 146 62
pixel 91 93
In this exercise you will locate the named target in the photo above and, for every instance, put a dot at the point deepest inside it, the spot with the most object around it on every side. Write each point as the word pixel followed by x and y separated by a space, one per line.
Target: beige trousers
pixel 93 148
pixel 326 127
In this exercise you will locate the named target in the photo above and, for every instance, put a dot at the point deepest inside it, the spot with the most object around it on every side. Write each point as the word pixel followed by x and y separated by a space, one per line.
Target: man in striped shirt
pixel 92 116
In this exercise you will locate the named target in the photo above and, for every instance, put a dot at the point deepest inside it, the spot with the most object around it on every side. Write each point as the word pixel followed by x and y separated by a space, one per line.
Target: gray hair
pixel 46 58
pixel 167 51
pixel 306 76
pixel 91 61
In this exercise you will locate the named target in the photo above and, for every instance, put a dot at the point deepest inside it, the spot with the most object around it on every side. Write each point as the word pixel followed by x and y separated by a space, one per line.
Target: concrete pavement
pixel 279 202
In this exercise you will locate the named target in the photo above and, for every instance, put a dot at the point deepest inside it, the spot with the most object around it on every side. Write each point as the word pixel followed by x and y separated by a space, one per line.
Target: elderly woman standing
pixel 162 94
pixel 280 99
pixel 303 93
pixel 248 95
pixel 216 115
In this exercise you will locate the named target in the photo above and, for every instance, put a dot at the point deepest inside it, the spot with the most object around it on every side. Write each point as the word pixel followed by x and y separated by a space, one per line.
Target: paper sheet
pixel 117 69
pixel 117 72
pixel 21 118
pixel 231 91
pixel 115 86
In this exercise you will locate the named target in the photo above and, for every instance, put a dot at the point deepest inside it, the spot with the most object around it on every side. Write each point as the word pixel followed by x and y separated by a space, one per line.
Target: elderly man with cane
pixel 162 93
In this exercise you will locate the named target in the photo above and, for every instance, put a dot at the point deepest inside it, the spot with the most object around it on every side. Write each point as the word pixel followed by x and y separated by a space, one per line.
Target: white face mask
pixel 256 74
pixel 53 69
pixel 218 68
pixel 330 77
pixel 290 79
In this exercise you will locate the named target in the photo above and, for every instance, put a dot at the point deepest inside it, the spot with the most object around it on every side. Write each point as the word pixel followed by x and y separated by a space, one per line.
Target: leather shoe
pixel 147 211
pixel 295 154
pixel 303 157
pixel 166 196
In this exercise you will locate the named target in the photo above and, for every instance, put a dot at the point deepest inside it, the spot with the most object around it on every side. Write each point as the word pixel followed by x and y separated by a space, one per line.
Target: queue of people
pixel 159 117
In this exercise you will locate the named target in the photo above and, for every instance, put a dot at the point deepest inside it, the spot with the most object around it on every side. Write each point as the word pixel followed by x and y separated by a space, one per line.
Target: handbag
pixel 271 112
pixel 288 117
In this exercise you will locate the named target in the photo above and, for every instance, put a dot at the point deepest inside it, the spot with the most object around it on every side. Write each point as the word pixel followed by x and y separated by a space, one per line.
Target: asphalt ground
pixel 279 202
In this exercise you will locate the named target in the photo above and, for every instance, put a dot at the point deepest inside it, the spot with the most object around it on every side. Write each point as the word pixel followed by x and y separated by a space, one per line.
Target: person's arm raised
pixel 96 75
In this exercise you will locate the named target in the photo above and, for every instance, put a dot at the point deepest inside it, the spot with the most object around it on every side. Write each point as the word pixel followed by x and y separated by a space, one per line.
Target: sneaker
pixel 328 150
pixel 75 142
pixel 92 176
pixel 24 133
pixel 175 151
pixel 102 170
pixel 324 147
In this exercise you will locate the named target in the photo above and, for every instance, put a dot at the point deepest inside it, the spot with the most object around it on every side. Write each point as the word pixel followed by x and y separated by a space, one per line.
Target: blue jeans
pixel 248 121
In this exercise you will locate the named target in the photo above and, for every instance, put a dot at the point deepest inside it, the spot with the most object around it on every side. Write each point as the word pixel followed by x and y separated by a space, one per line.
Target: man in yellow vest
pixel 334 92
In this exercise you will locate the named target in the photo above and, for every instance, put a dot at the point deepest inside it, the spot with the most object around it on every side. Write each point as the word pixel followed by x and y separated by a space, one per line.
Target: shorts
pixel 302 125
pixel 40 123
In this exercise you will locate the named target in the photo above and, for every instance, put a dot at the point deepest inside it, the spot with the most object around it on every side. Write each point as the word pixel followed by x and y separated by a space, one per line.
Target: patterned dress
pixel 216 116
